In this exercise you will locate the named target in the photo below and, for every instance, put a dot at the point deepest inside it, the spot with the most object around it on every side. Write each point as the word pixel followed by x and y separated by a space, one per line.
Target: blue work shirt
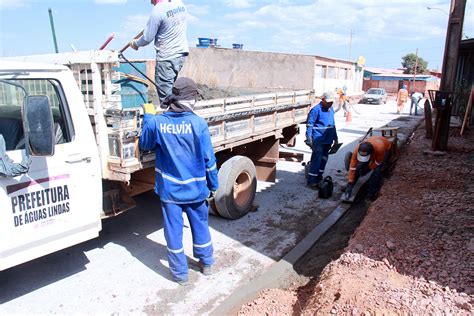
pixel 185 162
pixel 320 126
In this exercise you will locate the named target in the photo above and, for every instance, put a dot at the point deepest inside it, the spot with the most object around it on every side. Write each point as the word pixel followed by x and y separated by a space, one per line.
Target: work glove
pixel 309 142
pixel 133 45
pixel 149 108
pixel 347 192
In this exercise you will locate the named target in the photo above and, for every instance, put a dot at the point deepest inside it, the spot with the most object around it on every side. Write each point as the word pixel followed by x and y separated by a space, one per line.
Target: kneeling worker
pixel 372 154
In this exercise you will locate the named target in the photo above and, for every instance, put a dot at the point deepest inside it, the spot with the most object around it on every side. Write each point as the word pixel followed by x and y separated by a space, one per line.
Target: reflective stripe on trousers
pixel 319 159
pixel 198 214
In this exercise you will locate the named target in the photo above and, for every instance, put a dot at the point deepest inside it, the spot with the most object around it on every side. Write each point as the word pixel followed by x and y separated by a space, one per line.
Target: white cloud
pixel 238 4
pixel 468 25
pixel 110 1
pixel 198 10
pixel 331 22
pixel 132 25
pixel 13 4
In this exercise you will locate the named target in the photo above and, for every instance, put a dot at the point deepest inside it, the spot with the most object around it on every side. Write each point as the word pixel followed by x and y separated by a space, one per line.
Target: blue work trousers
pixel 319 159
pixel 198 215
pixel 166 73
pixel 375 180
pixel 414 102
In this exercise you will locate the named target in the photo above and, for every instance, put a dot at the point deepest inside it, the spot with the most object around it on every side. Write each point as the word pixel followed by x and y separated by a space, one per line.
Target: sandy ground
pixel 412 254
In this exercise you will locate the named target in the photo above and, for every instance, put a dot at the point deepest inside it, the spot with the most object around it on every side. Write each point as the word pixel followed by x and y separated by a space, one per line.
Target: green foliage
pixel 409 61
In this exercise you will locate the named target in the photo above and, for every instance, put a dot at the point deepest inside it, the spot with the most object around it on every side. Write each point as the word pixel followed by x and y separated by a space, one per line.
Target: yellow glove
pixel 149 108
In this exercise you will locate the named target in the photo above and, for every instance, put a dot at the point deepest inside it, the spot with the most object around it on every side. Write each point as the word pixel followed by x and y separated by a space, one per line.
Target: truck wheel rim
pixel 242 189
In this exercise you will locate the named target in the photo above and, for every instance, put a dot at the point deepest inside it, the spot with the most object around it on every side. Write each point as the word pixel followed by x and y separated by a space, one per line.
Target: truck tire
pixel 347 160
pixel 237 187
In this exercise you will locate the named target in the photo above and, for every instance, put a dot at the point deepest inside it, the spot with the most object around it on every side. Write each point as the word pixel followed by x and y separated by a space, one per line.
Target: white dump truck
pixel 75 155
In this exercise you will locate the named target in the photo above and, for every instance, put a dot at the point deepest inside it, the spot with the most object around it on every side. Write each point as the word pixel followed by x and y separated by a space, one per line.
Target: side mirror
pixel 38 123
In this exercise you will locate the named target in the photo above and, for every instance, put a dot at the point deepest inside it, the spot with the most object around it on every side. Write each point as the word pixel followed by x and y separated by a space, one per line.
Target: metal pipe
pixel 52 30
pixel 111 37
pixel 139 71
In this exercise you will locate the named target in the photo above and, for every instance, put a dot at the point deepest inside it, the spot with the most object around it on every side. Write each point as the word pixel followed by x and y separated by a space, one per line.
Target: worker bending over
pixel 186 175
pixel 372 154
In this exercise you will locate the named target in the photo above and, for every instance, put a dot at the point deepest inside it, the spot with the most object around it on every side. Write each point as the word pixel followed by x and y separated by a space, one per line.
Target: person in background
pixel 372 154
pixel 343 101
pixel 167 28
pixel 320 135
pixel 415 98
pixel 402 98
pixel 186 174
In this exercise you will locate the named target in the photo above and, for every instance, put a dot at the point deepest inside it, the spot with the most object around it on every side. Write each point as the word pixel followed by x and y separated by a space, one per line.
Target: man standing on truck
pixel 167 27
pixel 186 174
pixel 320 135
pixel 372 154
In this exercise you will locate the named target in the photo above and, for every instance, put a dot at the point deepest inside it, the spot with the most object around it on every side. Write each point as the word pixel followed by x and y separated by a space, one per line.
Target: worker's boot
pixel 182 282
pixel 206 270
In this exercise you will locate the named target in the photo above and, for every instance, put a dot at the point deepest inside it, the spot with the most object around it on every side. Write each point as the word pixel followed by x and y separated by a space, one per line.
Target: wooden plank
pixel 468 109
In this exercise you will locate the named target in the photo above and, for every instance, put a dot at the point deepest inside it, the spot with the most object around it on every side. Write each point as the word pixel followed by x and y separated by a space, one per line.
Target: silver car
pixel 375 95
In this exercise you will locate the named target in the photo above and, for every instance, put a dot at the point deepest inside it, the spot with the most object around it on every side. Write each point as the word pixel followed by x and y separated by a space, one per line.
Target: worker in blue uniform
pixel 186 174
pixel 320 135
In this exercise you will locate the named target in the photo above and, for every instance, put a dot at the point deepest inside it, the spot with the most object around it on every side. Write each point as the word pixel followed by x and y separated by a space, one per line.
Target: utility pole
pixel 450 60
pixel 414 72
pixel 52 30
pixel 350 44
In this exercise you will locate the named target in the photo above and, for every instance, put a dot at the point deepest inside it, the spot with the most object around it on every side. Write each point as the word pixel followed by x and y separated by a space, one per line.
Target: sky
pixel 383 31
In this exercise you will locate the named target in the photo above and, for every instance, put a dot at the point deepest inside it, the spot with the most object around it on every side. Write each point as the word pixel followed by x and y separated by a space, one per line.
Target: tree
pixel 409 61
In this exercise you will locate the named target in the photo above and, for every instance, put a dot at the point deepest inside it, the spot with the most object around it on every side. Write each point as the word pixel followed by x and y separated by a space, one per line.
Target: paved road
pixel 125 271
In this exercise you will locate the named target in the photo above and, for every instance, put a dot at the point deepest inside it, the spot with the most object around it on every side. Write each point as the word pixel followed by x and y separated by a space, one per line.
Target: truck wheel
pixel 237 187
pixel 347 160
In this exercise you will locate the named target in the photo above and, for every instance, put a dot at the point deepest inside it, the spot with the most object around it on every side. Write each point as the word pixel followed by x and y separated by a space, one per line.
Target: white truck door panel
pixel 57 203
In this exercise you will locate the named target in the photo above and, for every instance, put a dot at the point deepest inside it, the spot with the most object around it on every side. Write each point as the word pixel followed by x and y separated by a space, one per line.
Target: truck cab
pixel 50 172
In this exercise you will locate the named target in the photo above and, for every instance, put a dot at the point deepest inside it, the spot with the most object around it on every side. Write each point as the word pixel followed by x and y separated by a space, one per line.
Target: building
pixel 392 82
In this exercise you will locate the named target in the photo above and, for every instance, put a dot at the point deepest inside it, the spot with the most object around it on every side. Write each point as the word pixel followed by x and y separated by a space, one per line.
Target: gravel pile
pixel 414 251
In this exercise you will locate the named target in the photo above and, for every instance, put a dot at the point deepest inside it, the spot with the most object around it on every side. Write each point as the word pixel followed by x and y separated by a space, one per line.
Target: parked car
pixel 375 95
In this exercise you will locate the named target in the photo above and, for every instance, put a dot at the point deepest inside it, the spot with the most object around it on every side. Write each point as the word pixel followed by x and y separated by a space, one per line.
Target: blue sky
pixel 384 31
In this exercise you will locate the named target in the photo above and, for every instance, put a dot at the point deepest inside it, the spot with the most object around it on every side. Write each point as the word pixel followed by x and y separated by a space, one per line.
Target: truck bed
pixel 232 121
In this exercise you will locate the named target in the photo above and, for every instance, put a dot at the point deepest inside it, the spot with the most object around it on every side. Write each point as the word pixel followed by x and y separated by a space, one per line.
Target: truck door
pixel 57 203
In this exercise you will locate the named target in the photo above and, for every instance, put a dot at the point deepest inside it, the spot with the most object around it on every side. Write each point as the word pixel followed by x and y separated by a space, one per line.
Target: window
pixel 12 97
pixel 331 73
pixel 343 73
pixel 318 71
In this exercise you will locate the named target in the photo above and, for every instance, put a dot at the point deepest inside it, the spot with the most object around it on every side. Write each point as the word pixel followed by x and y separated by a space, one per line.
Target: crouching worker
pixel 186 175
pixel 372 154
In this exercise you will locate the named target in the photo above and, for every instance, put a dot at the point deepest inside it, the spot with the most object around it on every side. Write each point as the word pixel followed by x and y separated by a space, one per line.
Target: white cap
pixel 328 96
pixel 363 158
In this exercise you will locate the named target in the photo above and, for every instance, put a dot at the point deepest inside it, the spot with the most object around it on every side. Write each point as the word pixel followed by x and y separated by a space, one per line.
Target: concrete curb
pixel 281 270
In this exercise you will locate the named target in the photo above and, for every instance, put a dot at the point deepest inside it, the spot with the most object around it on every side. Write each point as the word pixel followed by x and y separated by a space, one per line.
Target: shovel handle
pixel 128 44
